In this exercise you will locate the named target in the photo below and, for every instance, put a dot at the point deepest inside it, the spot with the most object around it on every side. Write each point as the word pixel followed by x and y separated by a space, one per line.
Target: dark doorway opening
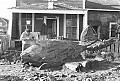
pixel 52 28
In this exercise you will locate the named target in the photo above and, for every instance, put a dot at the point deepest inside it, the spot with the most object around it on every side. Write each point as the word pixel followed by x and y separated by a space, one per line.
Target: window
pixel 25 17
pixel 113 29
pixel 71 26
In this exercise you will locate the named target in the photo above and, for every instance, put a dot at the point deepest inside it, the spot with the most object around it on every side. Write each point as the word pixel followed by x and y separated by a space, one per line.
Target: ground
pixel 107 71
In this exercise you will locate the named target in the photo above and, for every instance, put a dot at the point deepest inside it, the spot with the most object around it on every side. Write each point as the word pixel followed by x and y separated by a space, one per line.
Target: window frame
pixel 110 34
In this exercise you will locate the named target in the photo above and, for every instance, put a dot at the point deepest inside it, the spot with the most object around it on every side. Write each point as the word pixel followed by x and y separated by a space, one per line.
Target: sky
pixel 4 4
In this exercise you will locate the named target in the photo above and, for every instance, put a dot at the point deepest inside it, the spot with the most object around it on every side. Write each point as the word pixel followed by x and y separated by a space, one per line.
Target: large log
pixel 55 52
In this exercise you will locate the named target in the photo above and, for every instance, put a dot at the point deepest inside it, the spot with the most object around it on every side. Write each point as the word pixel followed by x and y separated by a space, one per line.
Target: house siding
pixel 76 3
pixel 15 26
pixel 105 17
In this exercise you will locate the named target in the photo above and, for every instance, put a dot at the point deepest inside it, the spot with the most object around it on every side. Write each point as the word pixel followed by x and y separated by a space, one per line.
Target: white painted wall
pixel 4 4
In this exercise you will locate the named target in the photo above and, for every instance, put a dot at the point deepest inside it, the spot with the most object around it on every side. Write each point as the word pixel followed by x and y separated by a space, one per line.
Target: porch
pixel 64 23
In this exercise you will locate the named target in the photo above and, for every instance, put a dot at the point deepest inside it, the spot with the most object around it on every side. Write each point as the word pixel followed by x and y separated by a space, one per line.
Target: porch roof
pixel 48 11
pixel 44 6
pixel 59 8
pixel 76 4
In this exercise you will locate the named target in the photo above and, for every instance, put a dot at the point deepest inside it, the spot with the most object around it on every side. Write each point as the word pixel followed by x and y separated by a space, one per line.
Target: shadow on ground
pixel 99 65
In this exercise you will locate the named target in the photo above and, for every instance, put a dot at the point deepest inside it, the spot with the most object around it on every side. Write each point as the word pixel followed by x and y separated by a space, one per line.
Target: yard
pixel 105 70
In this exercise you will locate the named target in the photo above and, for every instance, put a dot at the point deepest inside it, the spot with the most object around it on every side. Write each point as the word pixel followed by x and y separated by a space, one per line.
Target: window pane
pixel 23 28
pixel 23 15
pixel 113 30
pixel 71 16
pixel 23 21
pixel 71 32
pixel 30 27
pixel 38 25
pixel 29 15
pixel 71 24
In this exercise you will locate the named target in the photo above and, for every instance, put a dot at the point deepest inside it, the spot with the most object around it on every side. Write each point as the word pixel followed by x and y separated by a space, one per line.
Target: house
pixel 103 15
pixel 65 18
pixel 62 17
pixel 3 26
pixel 4 39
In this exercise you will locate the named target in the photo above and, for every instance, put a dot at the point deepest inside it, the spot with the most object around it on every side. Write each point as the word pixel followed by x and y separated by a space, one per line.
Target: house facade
pixel 61 17
pixel 103 15
pixel 3 26
pixel 65 18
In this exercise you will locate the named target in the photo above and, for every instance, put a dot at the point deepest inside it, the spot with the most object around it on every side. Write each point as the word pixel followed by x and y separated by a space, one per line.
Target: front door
pixel 52 28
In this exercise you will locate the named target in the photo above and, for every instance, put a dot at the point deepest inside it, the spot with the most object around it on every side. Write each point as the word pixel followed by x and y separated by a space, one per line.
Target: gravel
pixel 16 72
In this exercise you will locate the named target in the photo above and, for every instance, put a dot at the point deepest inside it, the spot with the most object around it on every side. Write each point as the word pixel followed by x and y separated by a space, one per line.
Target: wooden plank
pixel 112 48
pixel 116 47
pixel 108 48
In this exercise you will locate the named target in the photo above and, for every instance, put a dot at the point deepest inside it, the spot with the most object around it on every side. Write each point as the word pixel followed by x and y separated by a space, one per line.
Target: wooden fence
pixel 114 48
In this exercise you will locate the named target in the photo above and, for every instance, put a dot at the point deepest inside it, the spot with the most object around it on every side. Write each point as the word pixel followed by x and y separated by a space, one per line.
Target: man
pixel 26 38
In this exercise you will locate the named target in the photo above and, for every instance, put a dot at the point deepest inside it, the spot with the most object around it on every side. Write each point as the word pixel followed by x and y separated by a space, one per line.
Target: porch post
pixel 64 26
pixel 9 32
pixel 33 19
pixel 78 26
pixel 85 20
pixel 20 23
pixel 58 27
pixel 45 17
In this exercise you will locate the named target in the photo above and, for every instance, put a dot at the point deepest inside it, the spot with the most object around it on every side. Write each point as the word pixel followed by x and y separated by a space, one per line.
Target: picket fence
pixel 114 48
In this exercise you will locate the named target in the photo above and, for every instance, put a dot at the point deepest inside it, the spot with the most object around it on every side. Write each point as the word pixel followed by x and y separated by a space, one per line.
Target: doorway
pixel 52 28
pixel 96 31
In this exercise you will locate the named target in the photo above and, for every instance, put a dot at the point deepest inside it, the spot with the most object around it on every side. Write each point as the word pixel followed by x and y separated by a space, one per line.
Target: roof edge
pixel 102 9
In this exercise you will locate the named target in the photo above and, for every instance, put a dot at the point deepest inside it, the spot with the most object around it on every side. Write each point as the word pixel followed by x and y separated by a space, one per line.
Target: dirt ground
pixel 94 71
pixel 102 71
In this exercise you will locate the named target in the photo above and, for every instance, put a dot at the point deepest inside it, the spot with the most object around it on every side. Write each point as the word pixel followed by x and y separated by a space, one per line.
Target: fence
pixel 114 48
pixel 4 43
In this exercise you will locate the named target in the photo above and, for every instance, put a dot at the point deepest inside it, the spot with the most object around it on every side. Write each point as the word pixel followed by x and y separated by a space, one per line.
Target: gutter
pixel 102 9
